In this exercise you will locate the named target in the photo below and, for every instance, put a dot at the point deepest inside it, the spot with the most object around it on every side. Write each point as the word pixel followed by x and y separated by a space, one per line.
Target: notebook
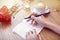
pixel 22 28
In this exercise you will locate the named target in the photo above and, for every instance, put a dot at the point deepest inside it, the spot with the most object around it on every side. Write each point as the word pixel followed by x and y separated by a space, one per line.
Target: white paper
pixel 23 27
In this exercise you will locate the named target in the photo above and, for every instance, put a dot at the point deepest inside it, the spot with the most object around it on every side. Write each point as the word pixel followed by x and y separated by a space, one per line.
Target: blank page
pixel 22 28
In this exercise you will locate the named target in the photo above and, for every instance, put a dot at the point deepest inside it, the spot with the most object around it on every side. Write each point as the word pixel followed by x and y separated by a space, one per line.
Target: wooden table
pixel 46 34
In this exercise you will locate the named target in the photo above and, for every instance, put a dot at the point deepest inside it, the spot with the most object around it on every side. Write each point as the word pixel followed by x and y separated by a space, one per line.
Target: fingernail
pixel 32 16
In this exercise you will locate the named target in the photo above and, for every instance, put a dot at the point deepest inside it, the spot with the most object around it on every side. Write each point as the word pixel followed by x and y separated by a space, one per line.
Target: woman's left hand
pixel 32 35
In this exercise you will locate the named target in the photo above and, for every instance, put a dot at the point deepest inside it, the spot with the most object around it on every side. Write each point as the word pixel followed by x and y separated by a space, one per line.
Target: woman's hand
pixel 45 23
pixel 32 35
pixel 37 20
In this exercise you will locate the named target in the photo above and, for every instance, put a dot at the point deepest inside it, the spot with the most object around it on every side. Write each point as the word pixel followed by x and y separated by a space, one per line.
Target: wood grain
pixel 46 34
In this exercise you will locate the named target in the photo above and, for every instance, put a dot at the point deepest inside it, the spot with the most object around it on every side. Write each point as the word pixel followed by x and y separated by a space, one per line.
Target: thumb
pixel 40 37
pixel 34 18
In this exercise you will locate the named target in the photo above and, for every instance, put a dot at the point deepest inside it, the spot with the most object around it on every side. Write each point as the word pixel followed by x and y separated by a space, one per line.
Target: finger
pixel 33 17
pixel 30 32
pixel 39 37
pixel 34 32
pixel 32 21
pixel 27 35
pixel 36 23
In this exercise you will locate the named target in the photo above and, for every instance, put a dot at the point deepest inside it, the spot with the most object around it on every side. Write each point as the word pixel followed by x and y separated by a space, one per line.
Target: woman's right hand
pixel 38 20
pixel 45 23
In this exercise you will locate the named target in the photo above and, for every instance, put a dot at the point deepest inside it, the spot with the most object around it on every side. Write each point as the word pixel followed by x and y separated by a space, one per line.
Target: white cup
pixel 38 10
